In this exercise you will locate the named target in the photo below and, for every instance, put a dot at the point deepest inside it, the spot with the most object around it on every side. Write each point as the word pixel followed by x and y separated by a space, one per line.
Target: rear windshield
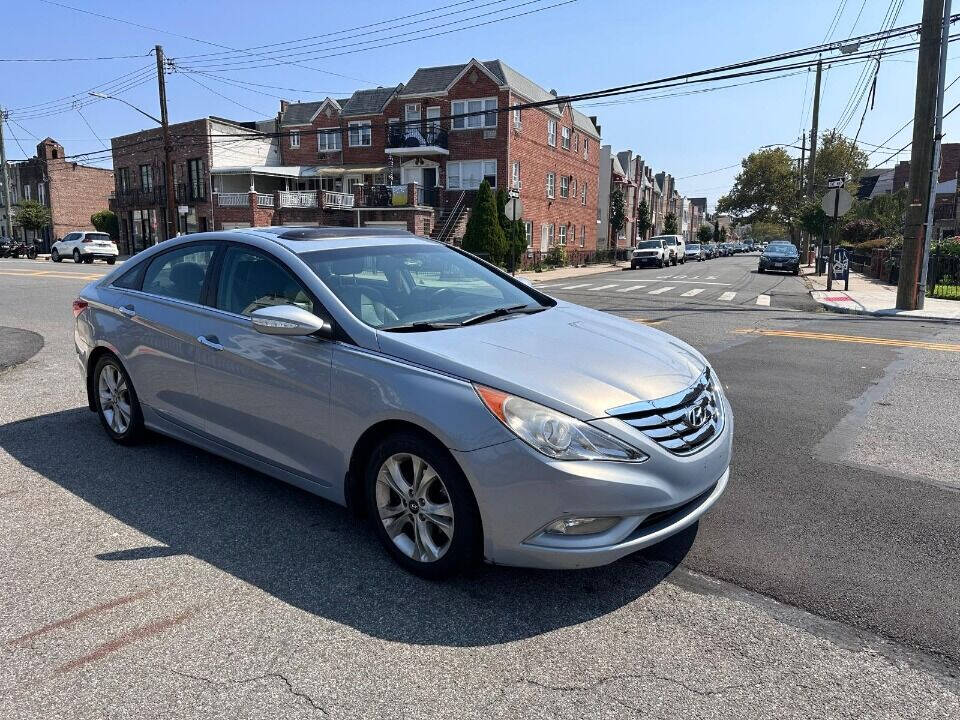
pixel 98 236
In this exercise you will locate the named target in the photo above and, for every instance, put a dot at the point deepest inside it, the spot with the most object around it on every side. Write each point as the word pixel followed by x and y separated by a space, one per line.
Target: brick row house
pixel 71 191
pixel 410 155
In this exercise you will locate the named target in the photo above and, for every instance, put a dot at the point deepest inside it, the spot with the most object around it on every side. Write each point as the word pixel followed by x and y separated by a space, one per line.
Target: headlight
pixel 552 433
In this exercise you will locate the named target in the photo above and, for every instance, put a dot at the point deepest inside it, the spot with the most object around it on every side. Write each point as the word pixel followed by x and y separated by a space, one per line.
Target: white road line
pixel 711 277
pixel 696 282
pixel 679 277
pixel 605 287
pixel 727 296
pixel 541 287
pixel 691 293
pixel 574 287
pixel 631 287
pixel 694 277
pixel 763 299
pixel 660 290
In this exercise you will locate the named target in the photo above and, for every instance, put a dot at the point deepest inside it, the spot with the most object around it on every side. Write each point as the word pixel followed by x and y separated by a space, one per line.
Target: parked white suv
pixel 85 246
pixel 649 252
pixel 675 247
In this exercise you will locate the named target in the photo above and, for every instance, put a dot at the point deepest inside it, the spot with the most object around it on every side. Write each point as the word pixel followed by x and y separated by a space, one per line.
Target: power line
pixel 90 128
pixel 70 59
pixel 228 99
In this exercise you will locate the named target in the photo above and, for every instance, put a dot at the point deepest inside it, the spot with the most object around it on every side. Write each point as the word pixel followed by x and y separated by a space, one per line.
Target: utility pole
pixel 814 130
pixel 803 160
pixel 6 177
pixel 935 165
pixel 171 189
pixel 921 155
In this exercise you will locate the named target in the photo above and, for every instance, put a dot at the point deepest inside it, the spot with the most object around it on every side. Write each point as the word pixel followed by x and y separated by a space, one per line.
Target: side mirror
pixel 289 320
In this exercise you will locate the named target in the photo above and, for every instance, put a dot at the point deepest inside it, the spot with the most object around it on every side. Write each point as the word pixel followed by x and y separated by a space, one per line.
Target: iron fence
pixel 943 276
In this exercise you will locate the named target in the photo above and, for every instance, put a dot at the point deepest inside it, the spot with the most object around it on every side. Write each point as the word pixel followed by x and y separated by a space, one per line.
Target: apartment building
pixel 73 192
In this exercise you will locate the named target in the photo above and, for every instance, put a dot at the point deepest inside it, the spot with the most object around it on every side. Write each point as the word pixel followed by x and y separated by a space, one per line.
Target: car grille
pixel 683 423
pixel 646 253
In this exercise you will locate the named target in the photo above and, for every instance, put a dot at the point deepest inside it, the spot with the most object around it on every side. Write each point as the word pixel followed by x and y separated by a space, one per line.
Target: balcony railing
pixel 303 198
pixel 234 199
pixel 265 200
pixel 157 195
pixel 337 199
pixel 384 196
pixel 417 135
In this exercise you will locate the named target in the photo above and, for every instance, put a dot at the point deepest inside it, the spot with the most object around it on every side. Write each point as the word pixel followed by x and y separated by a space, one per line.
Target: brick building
pixel 73 192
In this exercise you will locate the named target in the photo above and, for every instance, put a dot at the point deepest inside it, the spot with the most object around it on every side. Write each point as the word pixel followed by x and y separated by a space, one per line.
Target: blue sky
pixel 576 47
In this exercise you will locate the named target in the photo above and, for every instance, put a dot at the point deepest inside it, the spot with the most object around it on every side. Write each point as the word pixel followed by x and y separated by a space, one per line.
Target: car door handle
pixel 210 341
pixel 127 310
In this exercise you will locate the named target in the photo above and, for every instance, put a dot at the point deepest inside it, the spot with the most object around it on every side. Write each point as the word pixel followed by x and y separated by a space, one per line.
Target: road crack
pixel 244 681
pixel 708 692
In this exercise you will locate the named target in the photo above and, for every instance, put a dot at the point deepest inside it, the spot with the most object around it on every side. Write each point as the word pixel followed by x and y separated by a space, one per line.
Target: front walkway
pixel 869 296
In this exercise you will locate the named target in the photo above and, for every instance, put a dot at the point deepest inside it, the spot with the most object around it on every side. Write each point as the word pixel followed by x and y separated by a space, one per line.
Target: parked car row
pixel 9 247
pixel 663 250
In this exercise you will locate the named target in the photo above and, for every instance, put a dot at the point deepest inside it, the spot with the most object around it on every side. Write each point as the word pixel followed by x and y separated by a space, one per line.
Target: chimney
pixel 593 119
pixel 284 105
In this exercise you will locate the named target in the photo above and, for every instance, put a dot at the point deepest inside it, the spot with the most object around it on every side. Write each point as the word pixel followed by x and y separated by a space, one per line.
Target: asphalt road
pixel 160 581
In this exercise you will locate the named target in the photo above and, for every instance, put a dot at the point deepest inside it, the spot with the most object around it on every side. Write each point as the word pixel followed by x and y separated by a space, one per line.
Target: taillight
pixel 86 240
pixel 79 306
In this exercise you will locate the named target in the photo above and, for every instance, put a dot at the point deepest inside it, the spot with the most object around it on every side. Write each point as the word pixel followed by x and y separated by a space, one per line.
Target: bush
pixel 859 231
pixel 556 256
pixel 106 221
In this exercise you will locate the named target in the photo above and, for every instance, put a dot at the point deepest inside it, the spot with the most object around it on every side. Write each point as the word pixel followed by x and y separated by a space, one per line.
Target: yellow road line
pixel 831 337
pixel 47 273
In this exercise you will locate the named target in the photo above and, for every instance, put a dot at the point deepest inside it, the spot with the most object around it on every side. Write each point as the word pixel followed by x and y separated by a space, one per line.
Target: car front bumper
pixel 645 260
pixel 519 492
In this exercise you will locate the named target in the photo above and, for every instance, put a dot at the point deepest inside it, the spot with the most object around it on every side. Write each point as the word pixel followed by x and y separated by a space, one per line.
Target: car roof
pixel 311 238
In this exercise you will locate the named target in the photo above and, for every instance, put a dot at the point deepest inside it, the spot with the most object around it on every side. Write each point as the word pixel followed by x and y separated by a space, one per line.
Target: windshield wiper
pixel 501 312
pixel 421 326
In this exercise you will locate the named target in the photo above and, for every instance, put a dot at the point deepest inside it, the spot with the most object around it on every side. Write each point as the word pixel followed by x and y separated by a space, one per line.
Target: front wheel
pixel 116 401
pixel 55 256
pixel 421 506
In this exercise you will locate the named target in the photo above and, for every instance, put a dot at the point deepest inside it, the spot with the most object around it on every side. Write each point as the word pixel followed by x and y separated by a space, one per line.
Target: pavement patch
pixel 17 346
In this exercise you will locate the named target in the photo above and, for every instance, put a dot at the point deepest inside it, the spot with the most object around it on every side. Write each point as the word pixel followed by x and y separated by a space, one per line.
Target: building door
pixel 544 238
pixel 429 177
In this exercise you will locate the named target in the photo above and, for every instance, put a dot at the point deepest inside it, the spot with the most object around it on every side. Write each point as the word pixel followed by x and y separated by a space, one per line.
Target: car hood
pixel 571 358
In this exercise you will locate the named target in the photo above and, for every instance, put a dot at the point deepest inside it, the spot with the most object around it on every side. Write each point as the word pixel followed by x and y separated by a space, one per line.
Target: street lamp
pixel 170 190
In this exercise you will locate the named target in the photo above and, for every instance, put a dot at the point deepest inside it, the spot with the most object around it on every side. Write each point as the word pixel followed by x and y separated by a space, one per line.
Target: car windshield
pixel 668 239
pixel 782 249
pixel 648 244
pixel 416 287
pixel 693 247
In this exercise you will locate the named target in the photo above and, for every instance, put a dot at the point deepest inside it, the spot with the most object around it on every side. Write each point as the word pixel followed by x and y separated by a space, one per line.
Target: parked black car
pixel 5 243
pixel 780 257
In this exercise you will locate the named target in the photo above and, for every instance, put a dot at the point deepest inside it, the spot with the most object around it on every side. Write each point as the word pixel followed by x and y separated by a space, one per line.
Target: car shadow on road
pixel 308 552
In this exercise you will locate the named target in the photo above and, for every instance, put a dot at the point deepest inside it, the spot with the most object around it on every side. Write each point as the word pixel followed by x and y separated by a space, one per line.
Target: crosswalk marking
pixel 727 296
pixel 660 290
pixel 543 287
pixel 691 293
pixel 605 287
pixel 629 288
pixel 763 299
pixel 574 287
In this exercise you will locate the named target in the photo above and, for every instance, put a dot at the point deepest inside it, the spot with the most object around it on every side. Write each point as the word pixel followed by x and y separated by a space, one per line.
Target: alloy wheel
pixel 114 399
pixel 414 506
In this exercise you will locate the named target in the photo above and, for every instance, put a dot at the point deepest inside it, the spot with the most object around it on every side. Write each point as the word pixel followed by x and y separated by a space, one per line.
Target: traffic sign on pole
pixel 836 202
pixel 835 183
pixel 513 209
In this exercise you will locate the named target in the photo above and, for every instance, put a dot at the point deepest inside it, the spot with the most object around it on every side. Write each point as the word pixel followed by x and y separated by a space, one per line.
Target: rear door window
pixel 180 273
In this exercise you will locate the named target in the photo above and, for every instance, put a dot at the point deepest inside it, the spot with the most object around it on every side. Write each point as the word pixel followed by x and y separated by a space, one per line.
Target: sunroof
pixel 319 233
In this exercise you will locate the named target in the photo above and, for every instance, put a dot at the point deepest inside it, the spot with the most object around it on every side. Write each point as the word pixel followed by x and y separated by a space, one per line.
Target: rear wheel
pixel 76 256
pixel 111 261
pixel 88 260
pixel 116 401
pixel 421 506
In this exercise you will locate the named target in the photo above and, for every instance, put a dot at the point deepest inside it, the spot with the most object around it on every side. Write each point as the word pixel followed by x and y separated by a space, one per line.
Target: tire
pixel 55 256
pixel 15 254
pixel 760 270
pixel 661 263
pixel 107 402
pixel 111 261
pixel 88 260
pixel 76 256
pixel 32 253
pixel 456 551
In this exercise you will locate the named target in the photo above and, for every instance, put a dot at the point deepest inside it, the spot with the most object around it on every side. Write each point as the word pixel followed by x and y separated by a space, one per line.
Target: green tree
pixel 765 189
pixel 838 156
pixel 484 234
pixel 767 231
pixel 670 226
pixel 106 221
pixel 31 215
pixel 643 219
pixel 859 230
pixel 618 215
pixel 705 233
pixel 885 210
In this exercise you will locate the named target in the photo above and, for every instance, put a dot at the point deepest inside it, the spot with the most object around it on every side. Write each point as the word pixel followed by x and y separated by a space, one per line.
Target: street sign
pixel 513 209
pixel 836 202
pixel 835 183
pixel 840 267
pixel 183 209
pixel 514 193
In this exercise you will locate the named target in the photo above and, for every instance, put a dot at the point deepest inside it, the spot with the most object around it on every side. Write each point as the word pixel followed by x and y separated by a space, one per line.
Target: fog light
pixel 581 525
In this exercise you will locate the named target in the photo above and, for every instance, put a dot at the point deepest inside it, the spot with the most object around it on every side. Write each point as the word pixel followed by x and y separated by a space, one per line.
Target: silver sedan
pixel 466 414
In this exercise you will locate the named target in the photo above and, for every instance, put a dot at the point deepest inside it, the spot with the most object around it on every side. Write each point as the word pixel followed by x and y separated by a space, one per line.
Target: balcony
pixel 313 198
pixel 417 139
pixel 409 195
pixel 155 196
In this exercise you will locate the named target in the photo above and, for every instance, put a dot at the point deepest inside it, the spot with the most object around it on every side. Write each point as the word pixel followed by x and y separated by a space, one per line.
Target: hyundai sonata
pixel 465 413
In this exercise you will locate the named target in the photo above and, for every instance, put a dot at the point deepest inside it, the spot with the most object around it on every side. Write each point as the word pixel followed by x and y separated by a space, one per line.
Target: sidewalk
pixel 569 272
pixel 869 296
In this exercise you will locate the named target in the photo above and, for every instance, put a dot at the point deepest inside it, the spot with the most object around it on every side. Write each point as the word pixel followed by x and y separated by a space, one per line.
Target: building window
pixel 146 177
pixel 481 119
pixel 329 139
pixel 468 174
pixel 295 139
pixel 195 176
pixel 41 194
pixel 573 234
pixel 551 184
pixel 517 124
pixel 27 195
pixel 411 113
pixel 433 118
pixel 562 234
pixel 586 148
pixel 528 234
pixel 576 142
pixel 515 176
pixel 583 193
pixel 550 238
pixel 583 234
pixel 552 132
pixel 565 138
pixel 123 179
pixel 360 134
pixel 565 186
pixel 573 188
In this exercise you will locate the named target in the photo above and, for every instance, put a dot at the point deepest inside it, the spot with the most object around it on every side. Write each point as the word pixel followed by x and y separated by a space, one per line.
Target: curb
pixel 891 313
